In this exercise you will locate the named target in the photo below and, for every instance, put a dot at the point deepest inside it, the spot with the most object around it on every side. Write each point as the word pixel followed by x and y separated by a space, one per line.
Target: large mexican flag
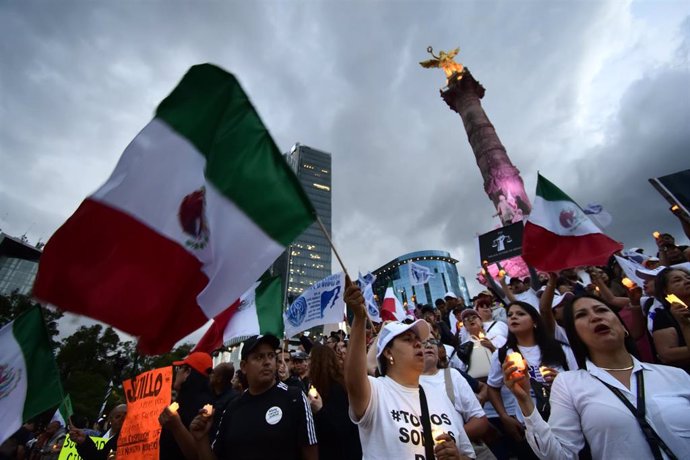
pixel 199 205
pixel 559 235
pixel 29 379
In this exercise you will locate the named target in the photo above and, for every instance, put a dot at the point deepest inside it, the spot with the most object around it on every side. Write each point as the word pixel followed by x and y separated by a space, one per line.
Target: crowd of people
pixel 576 364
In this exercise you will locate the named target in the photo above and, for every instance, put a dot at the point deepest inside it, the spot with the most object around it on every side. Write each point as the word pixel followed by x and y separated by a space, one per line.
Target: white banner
pixel 419 274
pixel 320 304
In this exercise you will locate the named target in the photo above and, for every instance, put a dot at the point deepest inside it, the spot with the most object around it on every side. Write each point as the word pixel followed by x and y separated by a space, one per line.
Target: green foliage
pixel 15 304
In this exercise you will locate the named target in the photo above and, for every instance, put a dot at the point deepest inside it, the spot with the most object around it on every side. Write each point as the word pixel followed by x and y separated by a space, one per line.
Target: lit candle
pixel 312 392
pixel 518 362
pixel 208 408
pixel 544 370
pixel 656 235
pixel 435 433
pixel 671 298
pixel 481 335
pixel 674 208
pixel 501 273
pixel 173 407
pixel 627 282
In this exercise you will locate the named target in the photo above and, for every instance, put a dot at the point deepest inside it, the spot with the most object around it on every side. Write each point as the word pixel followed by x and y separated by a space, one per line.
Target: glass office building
pixel 445 278
pixel 308 259
pixel 18 265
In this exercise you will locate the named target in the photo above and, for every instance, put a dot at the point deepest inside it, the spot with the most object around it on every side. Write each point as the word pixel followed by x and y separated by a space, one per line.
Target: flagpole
pixel 328 237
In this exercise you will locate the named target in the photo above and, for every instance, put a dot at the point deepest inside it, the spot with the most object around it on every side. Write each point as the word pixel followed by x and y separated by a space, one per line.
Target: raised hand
pixel 354 299
pixel 200 426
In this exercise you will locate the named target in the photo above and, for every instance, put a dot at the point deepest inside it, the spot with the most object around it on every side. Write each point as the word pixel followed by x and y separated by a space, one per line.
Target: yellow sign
pixel 69 448
pixel 147 395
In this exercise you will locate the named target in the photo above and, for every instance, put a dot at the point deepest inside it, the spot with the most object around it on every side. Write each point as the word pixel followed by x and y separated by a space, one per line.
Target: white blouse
pixel 582 407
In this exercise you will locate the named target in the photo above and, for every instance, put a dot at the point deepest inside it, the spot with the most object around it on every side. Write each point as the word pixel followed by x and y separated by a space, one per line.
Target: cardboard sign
pixel 502 243
pixel 69 448
pixel 147 395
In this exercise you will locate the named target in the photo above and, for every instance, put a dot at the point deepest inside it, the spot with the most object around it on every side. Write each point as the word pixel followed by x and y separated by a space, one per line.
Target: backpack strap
pixel 492 325
pixel 449 385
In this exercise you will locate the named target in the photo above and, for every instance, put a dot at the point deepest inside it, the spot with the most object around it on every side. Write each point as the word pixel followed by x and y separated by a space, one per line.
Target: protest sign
pixel 321 304
pixel 69 448
pixel 502 243
pixel 147 395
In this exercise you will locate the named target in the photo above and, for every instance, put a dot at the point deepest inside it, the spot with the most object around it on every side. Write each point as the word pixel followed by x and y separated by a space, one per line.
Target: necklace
pixel 621 369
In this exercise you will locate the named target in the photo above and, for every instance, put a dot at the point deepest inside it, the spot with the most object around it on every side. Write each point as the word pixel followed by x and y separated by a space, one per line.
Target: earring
pixel 391 360
pixel 627 334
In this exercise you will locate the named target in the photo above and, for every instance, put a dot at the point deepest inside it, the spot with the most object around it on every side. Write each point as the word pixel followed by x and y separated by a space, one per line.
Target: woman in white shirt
pixel 544 359
pixel 388 410
pixel 586 404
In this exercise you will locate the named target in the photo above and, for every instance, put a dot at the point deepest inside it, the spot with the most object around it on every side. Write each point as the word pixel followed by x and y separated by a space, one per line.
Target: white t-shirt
pixel 466 403
pixel 582 407
pixel 498 333
pixel 532 356
pixel 391 425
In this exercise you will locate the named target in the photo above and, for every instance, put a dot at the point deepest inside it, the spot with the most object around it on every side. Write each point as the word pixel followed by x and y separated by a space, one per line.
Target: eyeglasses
pixel 431 342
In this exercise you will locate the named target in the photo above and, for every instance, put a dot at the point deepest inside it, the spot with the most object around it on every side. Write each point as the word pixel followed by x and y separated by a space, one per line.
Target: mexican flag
pixel 198 207
pixel 64 412
pixel 29 379
pixel 258 311
pixel 559 235
pixel 391 308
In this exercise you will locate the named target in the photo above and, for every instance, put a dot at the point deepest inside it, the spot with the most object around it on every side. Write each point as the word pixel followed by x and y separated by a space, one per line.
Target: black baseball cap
pixel 252 342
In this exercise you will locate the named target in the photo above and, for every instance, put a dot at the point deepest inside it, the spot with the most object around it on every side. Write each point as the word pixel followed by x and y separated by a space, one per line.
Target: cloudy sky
pixel 595 95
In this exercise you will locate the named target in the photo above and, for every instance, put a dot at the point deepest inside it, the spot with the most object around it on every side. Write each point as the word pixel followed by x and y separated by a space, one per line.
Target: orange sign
pixel 147 395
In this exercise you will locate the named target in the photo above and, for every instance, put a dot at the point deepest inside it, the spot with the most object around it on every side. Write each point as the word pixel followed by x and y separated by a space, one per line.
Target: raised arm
pixel 491 282
pixel 545 304
pixel 533 278
pixel 356 380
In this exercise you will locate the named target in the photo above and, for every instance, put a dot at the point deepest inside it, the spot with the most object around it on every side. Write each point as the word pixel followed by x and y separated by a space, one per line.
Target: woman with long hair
pixel 544 358
pixel 671 324
pixel 338 436
pixel 395 416
pixel 619 406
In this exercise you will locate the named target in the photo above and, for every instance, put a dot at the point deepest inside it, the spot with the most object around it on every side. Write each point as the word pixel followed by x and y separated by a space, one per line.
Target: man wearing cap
pixel 193 391
pixel 300 371
pixel 269 420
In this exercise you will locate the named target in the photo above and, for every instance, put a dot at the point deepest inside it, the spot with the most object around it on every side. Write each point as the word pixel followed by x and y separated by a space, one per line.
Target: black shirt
pixel 338 436
pixel 274 424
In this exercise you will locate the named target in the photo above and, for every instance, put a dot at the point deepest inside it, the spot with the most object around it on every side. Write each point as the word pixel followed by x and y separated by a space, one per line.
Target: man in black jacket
pixel 87 448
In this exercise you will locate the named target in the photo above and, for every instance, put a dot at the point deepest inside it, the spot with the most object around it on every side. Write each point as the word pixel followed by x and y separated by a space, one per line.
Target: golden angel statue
pixel 444 61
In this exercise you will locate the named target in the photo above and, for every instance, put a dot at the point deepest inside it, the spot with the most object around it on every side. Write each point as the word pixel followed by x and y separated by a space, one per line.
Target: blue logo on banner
pixel 328 298
pixel 297 312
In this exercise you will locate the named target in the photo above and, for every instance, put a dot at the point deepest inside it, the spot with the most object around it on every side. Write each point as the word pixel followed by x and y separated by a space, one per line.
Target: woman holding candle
pixel 595 404
pixel 543 358
pixel 338 436
pixel 671 324
pixel 392 411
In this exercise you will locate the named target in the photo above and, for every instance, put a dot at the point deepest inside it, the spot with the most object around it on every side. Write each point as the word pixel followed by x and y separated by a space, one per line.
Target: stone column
pixel 501 178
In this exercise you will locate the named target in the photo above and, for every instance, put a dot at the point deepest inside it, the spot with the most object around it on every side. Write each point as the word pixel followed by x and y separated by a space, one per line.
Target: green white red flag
pixel 198 207
pixel 559 235
pixel 29 378
pixel 258 311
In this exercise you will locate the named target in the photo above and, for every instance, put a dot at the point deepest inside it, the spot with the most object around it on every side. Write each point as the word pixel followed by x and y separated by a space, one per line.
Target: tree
pixel 15 304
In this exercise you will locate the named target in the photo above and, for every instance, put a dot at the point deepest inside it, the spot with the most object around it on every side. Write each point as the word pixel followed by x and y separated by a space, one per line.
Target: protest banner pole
pixel 328 237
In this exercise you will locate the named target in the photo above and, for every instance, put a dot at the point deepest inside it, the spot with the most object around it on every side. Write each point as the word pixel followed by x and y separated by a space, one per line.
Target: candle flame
pixel 672 298
pixel 627 282
pixel 208 408
pixel 312 392
pixel 174 407
pixel 656 235
pixel 435 432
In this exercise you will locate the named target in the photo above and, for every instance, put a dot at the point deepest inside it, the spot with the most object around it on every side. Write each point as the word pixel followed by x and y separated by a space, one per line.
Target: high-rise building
pixel 308 259
pixel 444 278
pixel 18 265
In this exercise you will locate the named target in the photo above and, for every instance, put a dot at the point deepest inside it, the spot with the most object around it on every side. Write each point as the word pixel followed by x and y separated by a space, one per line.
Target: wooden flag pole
pixel 328 237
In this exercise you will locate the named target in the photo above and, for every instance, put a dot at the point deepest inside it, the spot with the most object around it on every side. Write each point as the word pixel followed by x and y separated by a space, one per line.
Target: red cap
pixel 199 361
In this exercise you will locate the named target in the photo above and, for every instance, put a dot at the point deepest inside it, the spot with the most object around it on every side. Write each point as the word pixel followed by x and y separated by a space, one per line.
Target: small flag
pixel 366 283
pixel 29 378
pixel 419 274
pixel 258 311
pixel 321 304
pixel 559 235
pixel 64 412
pixel 392 309
pixel 198 207
pixel 598 214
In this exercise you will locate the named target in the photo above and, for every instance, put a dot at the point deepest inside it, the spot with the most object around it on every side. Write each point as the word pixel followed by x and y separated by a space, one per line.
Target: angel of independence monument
pixel 502 181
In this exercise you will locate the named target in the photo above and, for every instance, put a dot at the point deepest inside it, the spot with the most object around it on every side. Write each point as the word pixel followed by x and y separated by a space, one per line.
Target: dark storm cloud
pixel 80 80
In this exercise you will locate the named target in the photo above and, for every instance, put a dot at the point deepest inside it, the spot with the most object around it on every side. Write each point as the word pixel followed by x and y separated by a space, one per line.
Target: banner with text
pixel 147 395
pixel 502 243
pixel 69 448
pixel 321 304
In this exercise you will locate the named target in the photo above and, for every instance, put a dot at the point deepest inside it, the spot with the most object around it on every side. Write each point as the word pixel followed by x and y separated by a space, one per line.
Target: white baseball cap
pixel 394 328
pixel 450 294
pixel 646 273
pixel 560 298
